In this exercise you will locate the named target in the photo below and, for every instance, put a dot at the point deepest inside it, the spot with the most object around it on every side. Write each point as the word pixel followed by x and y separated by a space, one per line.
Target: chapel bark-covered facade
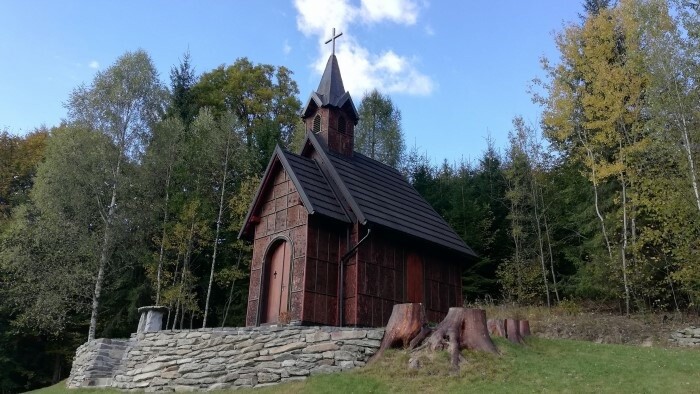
pixel 339 238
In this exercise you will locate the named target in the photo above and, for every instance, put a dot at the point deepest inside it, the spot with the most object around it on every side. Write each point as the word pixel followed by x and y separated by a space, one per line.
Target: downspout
pixel 343 260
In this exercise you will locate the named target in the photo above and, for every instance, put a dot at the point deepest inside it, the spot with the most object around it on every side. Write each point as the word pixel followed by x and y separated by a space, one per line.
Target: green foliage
pixel 471 199
pixel 262 97
pixel 378 133
pixel 615 106
pixel 19 157
pixel 182 100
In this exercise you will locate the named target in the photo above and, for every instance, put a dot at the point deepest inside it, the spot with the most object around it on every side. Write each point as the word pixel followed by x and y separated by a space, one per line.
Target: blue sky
pixel 457 70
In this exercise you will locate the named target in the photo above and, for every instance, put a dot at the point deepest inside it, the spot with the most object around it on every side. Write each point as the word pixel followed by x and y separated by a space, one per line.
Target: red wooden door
pixel 414 278
pixel 277 283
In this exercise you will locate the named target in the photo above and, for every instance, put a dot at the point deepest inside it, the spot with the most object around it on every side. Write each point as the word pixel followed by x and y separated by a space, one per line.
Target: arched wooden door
pixel 414 278
pixel 276 283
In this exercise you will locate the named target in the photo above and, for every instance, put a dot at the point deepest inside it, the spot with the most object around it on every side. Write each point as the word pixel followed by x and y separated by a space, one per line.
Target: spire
pixel 330 92
pixel 331 88
pixel 330 113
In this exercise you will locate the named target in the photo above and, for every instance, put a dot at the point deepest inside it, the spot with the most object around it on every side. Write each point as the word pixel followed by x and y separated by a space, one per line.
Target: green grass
pixel 60 388
pixel 557 366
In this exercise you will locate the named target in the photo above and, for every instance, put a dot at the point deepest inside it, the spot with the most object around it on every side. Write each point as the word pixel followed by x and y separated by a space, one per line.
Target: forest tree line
pixel 137 197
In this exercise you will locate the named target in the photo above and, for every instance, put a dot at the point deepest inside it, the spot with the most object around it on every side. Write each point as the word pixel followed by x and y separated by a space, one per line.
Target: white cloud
pixel 94 65
pixel 315 16
pixel 399 11
pixel 363 70
pixel 429 30
pixel 286 48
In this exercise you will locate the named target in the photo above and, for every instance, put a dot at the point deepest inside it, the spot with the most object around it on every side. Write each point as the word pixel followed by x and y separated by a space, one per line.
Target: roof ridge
pixel 363 156
pixel 336 178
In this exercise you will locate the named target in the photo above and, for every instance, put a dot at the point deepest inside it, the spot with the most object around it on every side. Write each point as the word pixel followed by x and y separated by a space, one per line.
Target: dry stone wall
pixel 686 337
pixel 209 359
pixel 96 361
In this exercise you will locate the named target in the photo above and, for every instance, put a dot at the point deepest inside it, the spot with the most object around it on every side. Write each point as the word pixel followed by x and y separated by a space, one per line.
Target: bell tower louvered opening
pixel 317 124
pixel 341 124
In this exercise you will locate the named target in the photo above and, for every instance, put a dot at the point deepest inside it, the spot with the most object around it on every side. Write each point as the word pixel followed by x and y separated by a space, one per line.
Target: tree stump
pixel 462 328
pixel 406 323
pixel 513 331
pixel 475 335
pixel 524 327
pixel 496 327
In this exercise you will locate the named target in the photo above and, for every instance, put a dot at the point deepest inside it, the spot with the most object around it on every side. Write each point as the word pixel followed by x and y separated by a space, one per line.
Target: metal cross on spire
pixel 333 39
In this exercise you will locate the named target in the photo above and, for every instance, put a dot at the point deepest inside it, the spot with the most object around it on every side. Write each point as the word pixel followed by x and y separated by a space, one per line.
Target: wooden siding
pixel 326 244
pixel 443 287
pixel 282 215
pixel 380 279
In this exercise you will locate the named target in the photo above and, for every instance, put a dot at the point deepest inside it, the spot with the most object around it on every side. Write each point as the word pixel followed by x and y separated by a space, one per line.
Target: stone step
pixel 100 382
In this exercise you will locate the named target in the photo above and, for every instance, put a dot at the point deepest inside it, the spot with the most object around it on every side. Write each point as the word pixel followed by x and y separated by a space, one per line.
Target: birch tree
pixel 594 111
pixel 123 103
pixel 229 133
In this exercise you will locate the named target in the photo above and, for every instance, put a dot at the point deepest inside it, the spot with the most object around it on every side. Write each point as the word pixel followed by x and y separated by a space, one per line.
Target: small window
pixel 317 124
pixel 341 124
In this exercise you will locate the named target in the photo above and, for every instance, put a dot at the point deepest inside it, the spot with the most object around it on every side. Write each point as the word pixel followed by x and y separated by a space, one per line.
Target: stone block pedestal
pixel 151 319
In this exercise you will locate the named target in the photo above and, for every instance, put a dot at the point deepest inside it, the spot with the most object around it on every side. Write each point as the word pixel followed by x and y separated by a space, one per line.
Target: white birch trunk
pixel 624 245
pixel 218 228
pixel 551 258
pixel 104 254
pixel 533 189
pixel 162 238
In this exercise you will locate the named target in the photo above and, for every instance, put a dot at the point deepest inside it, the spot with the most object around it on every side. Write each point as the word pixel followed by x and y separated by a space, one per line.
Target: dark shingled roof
pixel 384 197
pixel 314 191
pixel 313 187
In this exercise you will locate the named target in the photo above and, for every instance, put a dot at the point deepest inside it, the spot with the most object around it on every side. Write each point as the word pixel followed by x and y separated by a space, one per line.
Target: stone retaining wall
pixel 96 361
pixel 686 337
pixel 207 359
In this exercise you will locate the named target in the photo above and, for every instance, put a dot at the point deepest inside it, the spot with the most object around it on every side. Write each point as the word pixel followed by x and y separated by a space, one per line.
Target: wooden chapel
pixel 339 238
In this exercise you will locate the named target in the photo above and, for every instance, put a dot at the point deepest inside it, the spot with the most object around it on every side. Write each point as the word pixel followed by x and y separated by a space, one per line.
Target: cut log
pixel 524 326
pixel 513 331
pixel 407 321
pixel 496 327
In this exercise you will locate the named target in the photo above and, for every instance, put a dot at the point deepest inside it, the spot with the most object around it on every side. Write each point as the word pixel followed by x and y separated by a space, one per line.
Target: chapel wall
pixel 282 216
pixel 381 279
pixel 326 244
pixel 443 285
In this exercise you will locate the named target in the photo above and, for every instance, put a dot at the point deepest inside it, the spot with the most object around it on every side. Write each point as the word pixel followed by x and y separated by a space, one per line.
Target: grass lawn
pixel 558 366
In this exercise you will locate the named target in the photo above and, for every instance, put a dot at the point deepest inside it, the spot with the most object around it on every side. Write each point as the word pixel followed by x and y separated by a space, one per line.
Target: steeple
pixel 331 88
pixel 330 112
